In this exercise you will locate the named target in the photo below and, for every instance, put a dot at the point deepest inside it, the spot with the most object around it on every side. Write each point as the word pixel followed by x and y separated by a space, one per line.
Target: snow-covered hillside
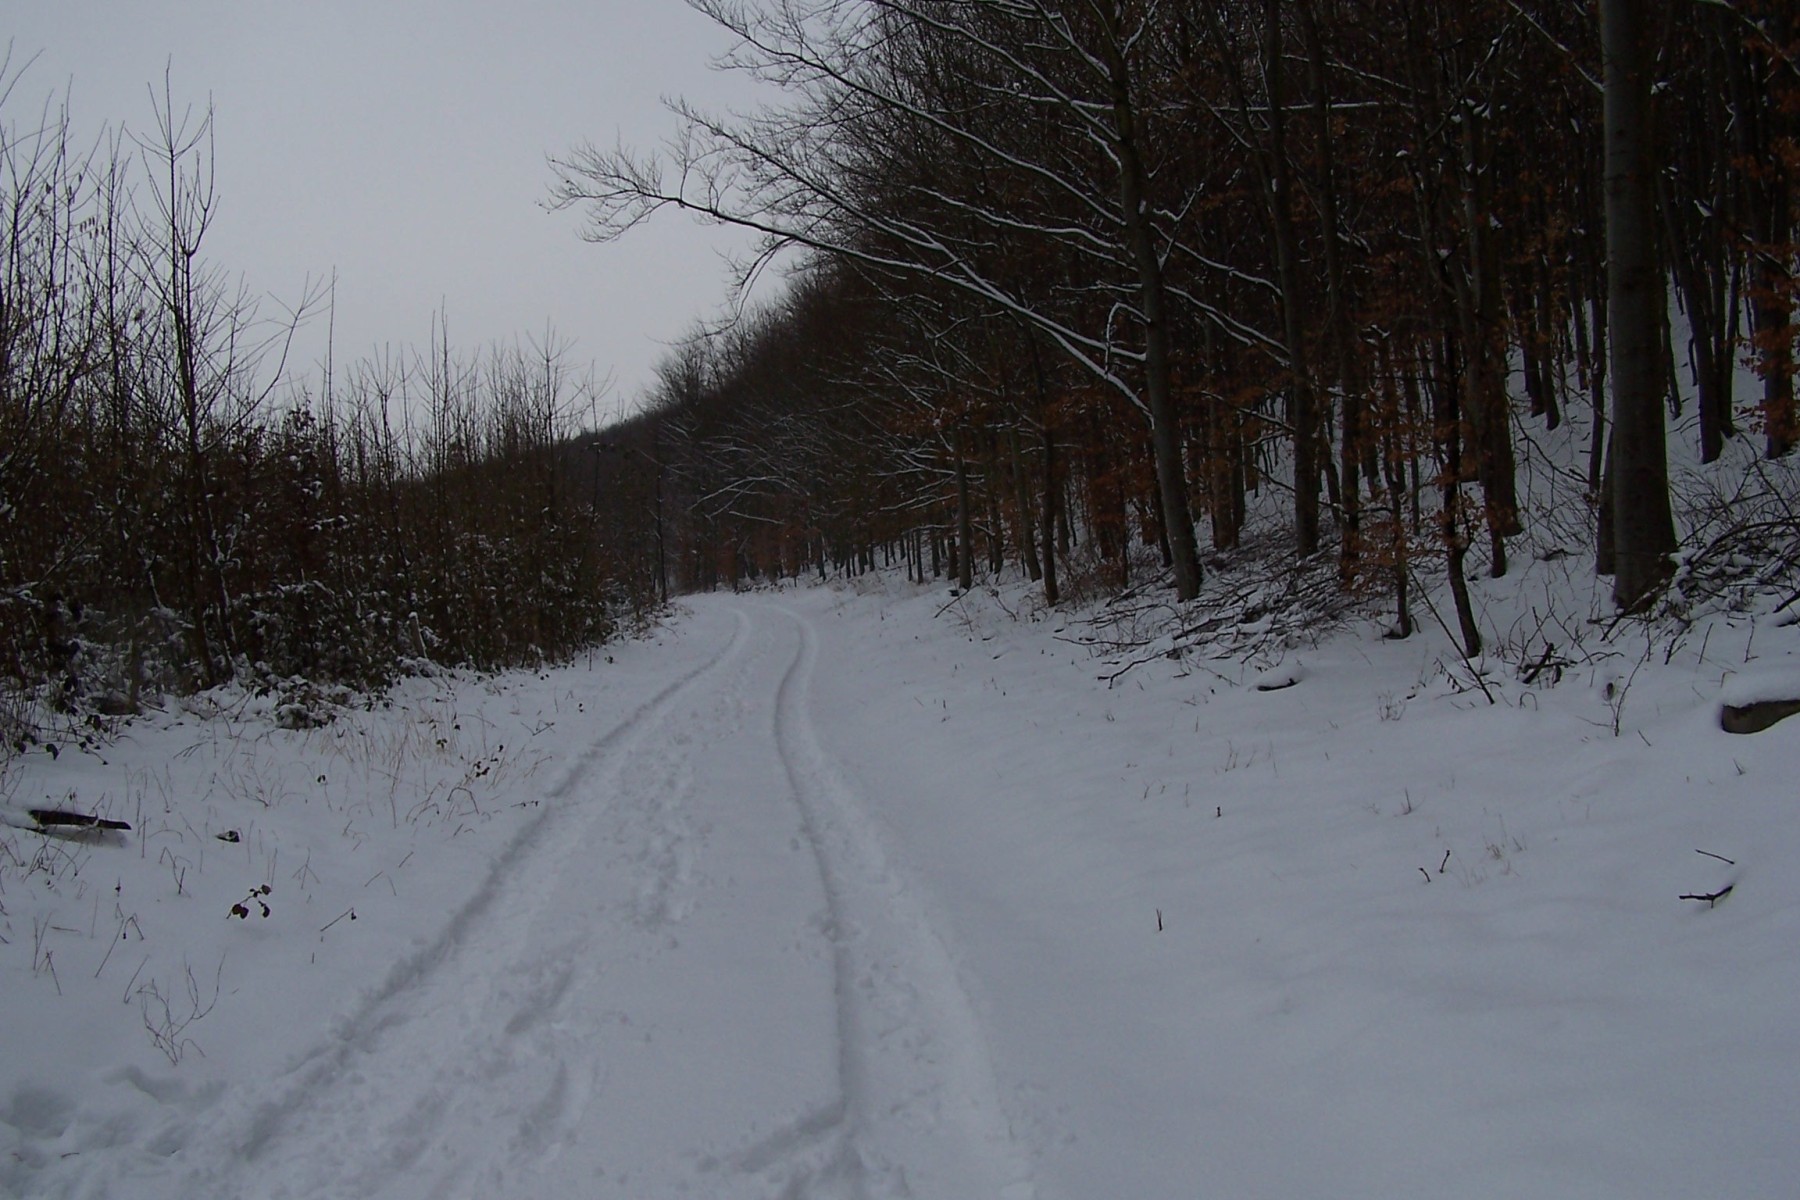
pixel 850 892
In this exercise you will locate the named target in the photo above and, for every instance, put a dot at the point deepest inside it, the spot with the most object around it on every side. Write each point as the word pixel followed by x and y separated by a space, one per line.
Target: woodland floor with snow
pixel 853 891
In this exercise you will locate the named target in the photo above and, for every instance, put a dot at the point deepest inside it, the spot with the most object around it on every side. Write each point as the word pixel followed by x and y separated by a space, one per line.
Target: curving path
pixel 917 1110
pixel 696 972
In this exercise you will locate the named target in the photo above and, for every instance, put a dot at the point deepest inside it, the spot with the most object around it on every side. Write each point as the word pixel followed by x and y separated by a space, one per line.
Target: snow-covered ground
pixel 848 892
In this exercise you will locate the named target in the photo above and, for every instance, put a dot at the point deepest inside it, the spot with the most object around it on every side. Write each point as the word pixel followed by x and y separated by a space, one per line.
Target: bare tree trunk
pixel 1601 341
pixel 1165 430
pixel 1394 473
pixel 1445 404
pixel 965 524
pixel 1337 300
pixel 1052 594
pixel 1767 201
pixel 1028 553
pixel 1484 334
pixel 1642 526
pixel 1278 189
pixel 1051 486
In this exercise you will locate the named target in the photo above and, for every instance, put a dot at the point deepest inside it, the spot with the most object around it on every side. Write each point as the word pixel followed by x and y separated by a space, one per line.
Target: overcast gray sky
pixel 402 143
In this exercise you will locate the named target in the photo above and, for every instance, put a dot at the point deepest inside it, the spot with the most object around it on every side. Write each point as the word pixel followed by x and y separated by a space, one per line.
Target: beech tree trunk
pixel 1140 238
pixel 1278 187
pixel 1643 530
pixel 965 524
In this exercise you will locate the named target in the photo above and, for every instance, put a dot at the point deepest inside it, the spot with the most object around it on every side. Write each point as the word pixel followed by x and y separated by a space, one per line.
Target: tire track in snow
pixel 337 1087
pixel 919 1113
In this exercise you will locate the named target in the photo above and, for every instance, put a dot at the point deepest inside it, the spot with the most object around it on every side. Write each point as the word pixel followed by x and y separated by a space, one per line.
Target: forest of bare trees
pixel 1107 273
pixel 179 507
pixel 1099 291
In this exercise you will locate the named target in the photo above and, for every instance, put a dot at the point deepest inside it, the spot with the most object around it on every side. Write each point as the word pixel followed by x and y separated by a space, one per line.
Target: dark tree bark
pixel 1278 187
pixel 1643 530
pixel 1052 593
pixel 1140 239
pixel 965 524
pixel 1337 299
pixel 1021 489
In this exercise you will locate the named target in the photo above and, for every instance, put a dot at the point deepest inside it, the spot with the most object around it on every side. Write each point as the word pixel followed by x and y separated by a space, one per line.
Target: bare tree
pixel 1643 529
pixel 810 175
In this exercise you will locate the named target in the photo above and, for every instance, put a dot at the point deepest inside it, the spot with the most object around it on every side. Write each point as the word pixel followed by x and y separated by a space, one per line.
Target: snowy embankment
pixel 847 892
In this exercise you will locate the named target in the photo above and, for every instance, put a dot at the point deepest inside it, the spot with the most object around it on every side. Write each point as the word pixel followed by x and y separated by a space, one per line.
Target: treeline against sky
pixel 1078 287
pixel 1112 272
pixel 178 510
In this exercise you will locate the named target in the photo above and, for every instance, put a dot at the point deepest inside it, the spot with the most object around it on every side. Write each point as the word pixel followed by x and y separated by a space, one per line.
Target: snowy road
pixel 852 894
pixel 693 973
